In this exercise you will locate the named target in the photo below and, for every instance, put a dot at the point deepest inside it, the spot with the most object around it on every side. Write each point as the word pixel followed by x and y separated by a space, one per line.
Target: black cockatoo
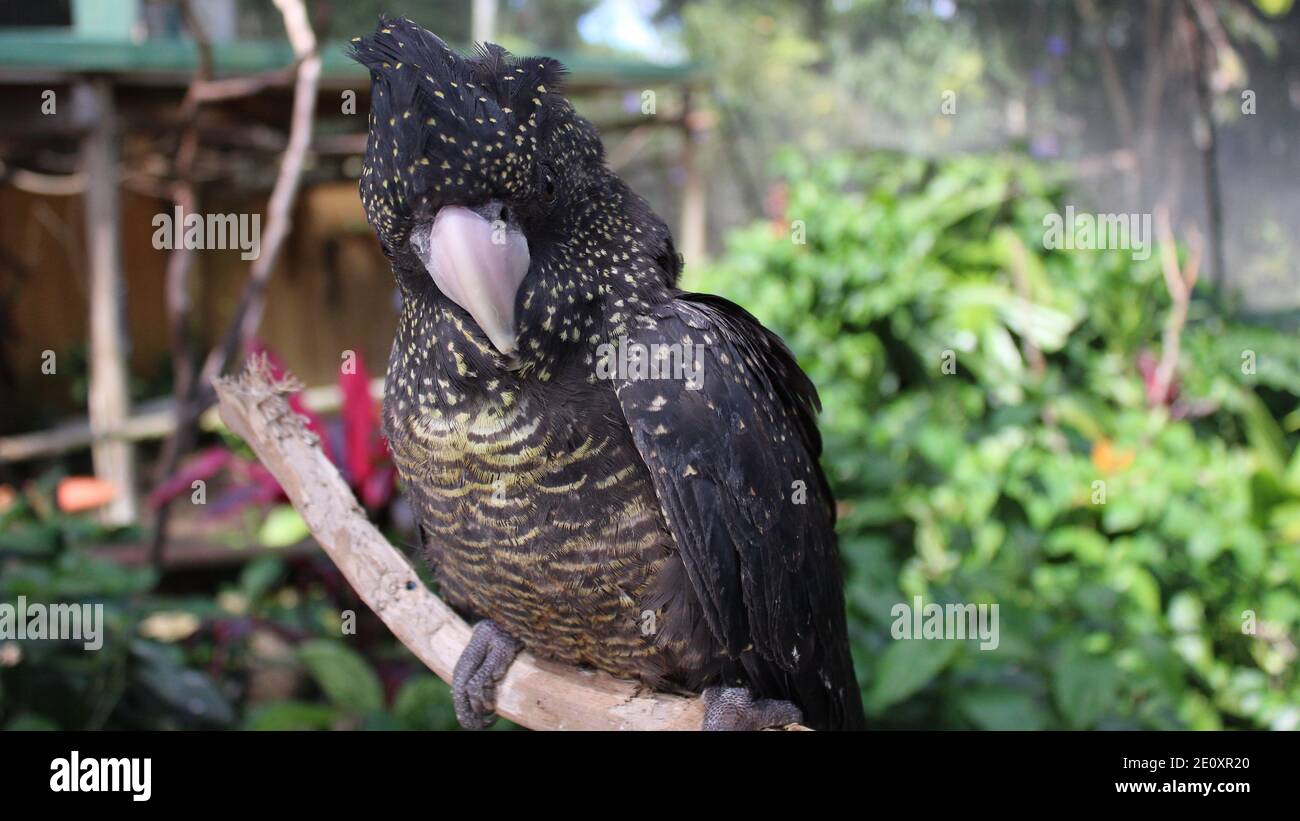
pixel 578 496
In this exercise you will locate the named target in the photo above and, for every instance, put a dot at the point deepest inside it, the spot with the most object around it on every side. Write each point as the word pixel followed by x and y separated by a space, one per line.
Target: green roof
pixel 45 50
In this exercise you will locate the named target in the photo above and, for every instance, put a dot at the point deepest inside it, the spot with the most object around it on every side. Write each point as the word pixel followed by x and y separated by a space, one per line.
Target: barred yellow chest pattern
pixel 551 531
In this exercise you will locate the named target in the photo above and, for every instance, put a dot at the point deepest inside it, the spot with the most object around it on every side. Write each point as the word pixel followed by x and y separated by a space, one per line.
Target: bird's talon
pixel 480 666
pixel 735 708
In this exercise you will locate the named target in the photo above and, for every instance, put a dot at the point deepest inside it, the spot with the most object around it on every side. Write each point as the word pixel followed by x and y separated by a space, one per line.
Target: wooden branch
pixel 1207 20
pixel 192 394
pixel 1180 284
pixel 46 185
pixel 233 88
pixel 179 263
pixel 185 198
pixel 279 217
pixel 537 694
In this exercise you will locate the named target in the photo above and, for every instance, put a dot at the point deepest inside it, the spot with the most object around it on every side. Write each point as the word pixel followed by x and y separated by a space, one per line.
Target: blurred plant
pixel 364 463
pixel 130 681
pixel 990 438
pixel 286 645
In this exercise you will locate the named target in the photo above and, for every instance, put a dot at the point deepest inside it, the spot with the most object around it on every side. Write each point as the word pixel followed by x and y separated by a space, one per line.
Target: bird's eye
pixel 548 189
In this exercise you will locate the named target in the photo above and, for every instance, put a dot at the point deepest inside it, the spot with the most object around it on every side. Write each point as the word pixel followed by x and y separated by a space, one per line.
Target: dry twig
pixel 192 396
pixel 1180 284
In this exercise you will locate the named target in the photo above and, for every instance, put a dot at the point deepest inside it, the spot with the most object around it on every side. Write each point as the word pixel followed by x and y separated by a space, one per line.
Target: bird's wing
pixel 733 456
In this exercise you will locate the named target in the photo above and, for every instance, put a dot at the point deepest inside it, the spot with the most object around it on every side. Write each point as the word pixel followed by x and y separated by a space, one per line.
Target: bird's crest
pixel 446 128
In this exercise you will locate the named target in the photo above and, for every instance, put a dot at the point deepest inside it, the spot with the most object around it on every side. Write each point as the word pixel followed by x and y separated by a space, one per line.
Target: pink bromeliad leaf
pixel 367 452
pixel 202 466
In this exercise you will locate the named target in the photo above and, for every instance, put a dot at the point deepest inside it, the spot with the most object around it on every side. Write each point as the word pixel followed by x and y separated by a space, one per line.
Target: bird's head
pixel 481 180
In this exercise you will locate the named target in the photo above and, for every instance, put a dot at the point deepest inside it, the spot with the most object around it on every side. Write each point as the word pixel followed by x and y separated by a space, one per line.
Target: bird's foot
pixel 735 708
pixel 480 666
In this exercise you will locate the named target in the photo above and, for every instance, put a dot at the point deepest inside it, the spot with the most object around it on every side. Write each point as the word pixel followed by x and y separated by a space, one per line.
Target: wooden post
pixel 483 21
pixel 109 404
pixel 691 236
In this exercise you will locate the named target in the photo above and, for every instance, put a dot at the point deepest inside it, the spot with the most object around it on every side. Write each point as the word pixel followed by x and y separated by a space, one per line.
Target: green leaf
pixel 1084 686
pixel 31 722
pixel 1285 519
pixel 31 538
pixel 259 576
pixel 1140 586
pixel 906 666
pixel 1002 708
pixel 1274 8
pixel 190 695
pixel 291 715
pixel 1084 544
pixel 1262 430
pixel 424 703
pixel 283 527
pixel 343 674
pixel 1292 478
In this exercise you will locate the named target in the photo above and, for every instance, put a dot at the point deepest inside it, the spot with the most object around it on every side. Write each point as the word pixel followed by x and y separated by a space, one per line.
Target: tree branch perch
pixel 535 693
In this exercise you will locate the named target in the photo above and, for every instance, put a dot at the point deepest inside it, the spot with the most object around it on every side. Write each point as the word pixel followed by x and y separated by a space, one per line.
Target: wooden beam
pixel 690 238
pixel 109 404
pixel 153 419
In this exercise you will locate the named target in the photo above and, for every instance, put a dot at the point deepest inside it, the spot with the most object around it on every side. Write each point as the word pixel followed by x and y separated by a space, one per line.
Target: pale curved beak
pixel 479 264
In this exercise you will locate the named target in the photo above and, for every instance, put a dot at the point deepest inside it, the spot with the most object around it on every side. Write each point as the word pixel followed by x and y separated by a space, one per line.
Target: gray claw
pixel 735 708
pixel 474 681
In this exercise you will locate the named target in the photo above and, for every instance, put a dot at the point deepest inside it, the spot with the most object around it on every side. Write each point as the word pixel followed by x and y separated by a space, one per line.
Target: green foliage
pixel 1144 556
pixel 344 675
pixel 129 681
pixel 267 650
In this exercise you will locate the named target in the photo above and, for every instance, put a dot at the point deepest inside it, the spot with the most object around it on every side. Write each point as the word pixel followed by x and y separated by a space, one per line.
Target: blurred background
pixel 1104 443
